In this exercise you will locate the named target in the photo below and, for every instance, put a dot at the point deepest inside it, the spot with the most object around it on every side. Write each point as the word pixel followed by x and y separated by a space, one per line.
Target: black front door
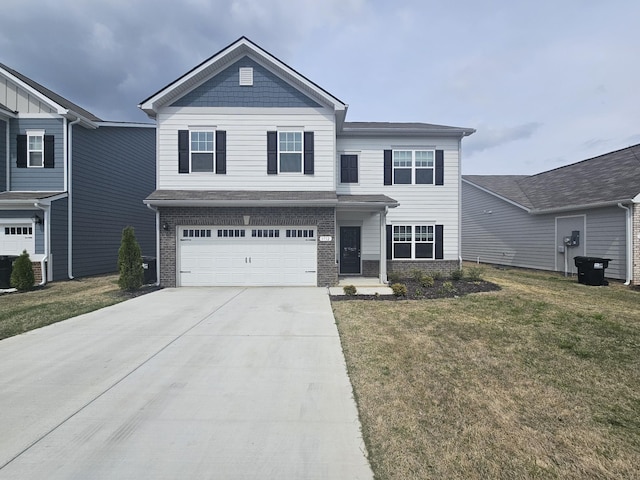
pixel 349 250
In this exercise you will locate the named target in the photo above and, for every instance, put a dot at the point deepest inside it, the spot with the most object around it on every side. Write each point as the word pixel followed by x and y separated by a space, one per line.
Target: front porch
pixel 364 286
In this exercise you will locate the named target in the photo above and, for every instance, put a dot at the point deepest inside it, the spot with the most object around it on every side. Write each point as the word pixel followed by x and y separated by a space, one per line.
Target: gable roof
pixel 217 62
pixel 603 180
pixel 61 104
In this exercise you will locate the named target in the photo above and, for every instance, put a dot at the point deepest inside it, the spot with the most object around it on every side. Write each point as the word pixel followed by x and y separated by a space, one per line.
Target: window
pixel 18 230
pixel 196 233
pixel 299 233
pixel 290 151
pixel 413 166
pixel 266 233
pixel 348 168
pixel 226 232
pixel 35 149
pixel 414 242
pixel 202 151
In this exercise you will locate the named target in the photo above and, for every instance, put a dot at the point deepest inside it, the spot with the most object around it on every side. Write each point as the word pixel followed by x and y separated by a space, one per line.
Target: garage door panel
pixel 254 256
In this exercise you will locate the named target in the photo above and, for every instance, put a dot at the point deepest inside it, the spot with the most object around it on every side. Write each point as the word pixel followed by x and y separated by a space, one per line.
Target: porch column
pixel 383 245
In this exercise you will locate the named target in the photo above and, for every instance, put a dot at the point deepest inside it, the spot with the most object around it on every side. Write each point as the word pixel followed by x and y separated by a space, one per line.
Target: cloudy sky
pixel 545 83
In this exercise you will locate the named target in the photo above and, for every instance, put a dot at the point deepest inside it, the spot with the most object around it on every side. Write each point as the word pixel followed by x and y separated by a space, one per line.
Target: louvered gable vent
pixel 246 76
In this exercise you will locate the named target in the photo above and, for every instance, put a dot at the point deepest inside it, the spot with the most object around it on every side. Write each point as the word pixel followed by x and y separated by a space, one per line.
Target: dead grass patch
pixel 539 380
pixel 21 312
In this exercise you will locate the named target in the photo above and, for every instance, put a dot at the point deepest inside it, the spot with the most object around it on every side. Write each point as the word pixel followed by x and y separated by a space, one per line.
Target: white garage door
pixel 16 237
pixel 212 256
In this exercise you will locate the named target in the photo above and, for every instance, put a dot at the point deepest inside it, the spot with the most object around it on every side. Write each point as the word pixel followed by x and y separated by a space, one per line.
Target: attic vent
pixel 246 76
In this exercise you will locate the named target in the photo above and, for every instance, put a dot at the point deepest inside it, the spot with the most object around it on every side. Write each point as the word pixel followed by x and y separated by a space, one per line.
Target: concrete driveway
pixel 191 383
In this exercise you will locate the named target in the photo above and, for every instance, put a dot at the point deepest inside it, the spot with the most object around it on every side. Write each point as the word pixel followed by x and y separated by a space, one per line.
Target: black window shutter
pixel 308 153
pixel 49 151
pixel 388 169
pixel 221 151
pixel 183 151
pixel 272 153
pixel 21 145
pixel 389 241
pixel 439 167
pixel 439 242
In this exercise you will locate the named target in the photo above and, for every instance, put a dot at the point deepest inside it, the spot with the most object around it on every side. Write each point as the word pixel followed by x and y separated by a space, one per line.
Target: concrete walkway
pixel 189 383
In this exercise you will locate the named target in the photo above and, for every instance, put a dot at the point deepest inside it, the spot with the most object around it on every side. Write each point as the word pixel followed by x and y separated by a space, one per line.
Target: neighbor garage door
pixel 212 256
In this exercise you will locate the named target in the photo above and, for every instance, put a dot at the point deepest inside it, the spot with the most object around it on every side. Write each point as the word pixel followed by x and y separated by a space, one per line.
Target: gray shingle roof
pixel 611 177
pixel 23 196
pixel 52 95
pixel 5 108
pixel 395 128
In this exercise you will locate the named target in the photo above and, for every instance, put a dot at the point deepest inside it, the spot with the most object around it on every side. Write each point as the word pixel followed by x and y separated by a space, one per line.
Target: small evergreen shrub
pixel 349 290
pixel 437 275
pixel 475 273
pixel 457 274
pixel 447 288
pixel 416 274
pixel 427 281
pixel 130 261
pixel 418 293
pixel 22 277
pixel 399 289
pixel 394 277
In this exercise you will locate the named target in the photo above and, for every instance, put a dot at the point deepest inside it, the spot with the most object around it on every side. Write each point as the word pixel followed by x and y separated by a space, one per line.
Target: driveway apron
pixel 193 383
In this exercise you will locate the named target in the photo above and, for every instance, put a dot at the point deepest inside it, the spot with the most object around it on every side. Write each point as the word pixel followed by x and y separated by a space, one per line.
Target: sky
pixel 545 83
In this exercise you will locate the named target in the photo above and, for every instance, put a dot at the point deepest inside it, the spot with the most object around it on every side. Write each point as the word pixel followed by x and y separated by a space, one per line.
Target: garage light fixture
pixel 165 226
pixel 37 220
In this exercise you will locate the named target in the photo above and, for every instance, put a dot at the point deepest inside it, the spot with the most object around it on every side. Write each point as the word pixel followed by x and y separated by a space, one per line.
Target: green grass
pixel 539 380
pixel 21 312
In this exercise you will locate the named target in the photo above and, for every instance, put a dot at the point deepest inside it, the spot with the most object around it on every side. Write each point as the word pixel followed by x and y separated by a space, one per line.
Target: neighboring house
pixel 262 182
pixel 69 182
pixel 589 208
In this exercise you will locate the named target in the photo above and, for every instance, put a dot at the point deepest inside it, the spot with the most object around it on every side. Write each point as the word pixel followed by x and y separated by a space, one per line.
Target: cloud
pixel 488 137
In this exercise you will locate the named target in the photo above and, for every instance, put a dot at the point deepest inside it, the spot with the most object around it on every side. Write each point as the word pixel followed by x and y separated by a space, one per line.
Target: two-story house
pixel 69 182
pixel 261 181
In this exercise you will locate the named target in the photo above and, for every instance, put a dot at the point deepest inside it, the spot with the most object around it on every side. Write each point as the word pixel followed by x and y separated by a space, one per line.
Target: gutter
pixel 584 206
pixel 628 243
pixel 241 203
pixel 70 200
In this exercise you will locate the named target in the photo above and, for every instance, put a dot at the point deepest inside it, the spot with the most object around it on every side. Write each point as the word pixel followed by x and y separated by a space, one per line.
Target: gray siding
pixel 495 231
pixel 59 235
pixel 113 171
pixel 38 179
pixel 223 90
pixel 3 155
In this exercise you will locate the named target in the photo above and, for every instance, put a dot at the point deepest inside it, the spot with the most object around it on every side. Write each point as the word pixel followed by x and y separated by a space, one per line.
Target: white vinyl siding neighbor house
pixel 290 166
pixel 525 221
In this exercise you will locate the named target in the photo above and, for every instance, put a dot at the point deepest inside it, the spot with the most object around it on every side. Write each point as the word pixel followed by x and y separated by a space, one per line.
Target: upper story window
pixel 413 166
pixel 35 148
pixel 290 151
pixel 348 168
pixel 202 151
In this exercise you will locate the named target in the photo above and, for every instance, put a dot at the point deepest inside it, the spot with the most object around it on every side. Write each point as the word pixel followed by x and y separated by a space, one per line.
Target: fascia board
pixel 505 199
pixel 406 132
pixel 240 203
pixel 585 206
pixel 59 108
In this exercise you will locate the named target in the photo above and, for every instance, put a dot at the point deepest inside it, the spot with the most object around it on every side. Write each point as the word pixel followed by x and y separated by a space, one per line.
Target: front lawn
pixel 538 380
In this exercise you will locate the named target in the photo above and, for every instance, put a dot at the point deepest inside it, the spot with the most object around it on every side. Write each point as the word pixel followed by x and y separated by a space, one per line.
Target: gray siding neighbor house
pixel 589 208
pixel 69 182
pixel 261 181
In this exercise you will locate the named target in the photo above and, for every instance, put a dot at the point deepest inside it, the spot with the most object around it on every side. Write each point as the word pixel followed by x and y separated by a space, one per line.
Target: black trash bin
pixel 591 270
pixel 6 267
pixel 149 267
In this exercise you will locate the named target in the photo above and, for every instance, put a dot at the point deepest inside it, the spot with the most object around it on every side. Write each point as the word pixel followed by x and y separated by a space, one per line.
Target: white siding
pixel 247 148
pixel 426 204
pixel 369 233
pixel 18 99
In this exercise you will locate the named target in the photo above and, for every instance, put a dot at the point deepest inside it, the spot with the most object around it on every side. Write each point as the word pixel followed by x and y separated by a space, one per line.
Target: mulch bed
pixel 440 289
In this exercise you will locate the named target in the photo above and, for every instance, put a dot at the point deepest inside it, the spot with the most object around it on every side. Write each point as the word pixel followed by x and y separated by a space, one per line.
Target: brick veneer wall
pixel 406 266
pixel 37 272
pixel 370 268
pixel 636 244
pixel 321 217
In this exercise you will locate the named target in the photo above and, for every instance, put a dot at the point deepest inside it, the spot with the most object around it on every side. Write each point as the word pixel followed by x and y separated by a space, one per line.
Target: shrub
pixel 394 277
pixel 416 274
pixel 426 281
pixel 447 288
pixel 130 261
pixel 22 277
pixel 418 293
pixel 457 274
pixel 437 275
pixel 399 289
pixel 475 273
pixel 349 290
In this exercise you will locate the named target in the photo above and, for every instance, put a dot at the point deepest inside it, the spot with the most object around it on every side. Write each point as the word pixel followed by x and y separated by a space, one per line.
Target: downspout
pixel 70 201
pixel 460 204
pixel 157 243
pixel 629 243
pixel 383 246
pixel 8 166
pixel 45 258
